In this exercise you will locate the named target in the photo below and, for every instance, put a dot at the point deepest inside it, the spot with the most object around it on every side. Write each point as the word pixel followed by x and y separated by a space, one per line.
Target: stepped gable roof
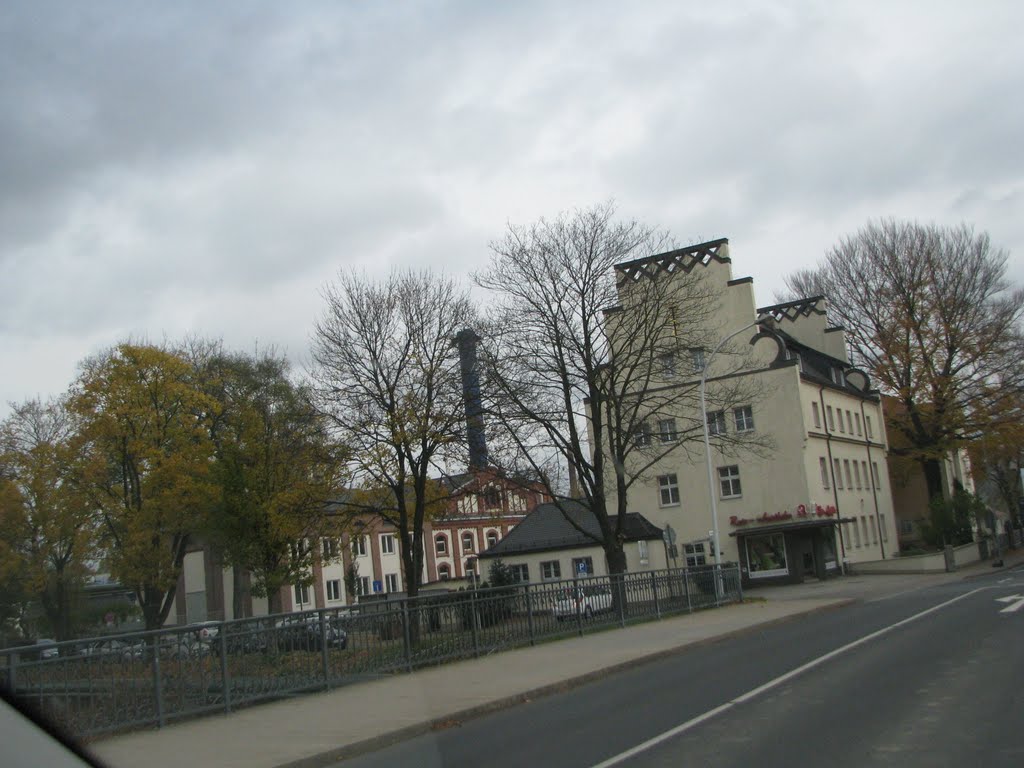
pixel 684 259
pixel 546 528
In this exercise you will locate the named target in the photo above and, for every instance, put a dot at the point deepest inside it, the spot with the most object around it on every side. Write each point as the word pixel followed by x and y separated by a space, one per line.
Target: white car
pixel 583 600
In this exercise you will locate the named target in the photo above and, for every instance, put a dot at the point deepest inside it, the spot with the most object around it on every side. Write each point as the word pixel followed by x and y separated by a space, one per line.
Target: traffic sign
pixel 378 586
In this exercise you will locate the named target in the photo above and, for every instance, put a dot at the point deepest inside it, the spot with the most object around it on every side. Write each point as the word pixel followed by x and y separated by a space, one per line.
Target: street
pixel 920 678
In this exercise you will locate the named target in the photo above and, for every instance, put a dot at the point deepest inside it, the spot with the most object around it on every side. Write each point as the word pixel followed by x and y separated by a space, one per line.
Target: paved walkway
pixel 317 729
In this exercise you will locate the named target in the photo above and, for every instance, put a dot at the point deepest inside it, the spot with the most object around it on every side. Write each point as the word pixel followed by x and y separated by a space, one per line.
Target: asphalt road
pixel 933 677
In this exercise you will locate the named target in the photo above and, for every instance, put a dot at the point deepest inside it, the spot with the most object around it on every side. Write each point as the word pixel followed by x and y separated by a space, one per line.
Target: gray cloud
pixel 175 168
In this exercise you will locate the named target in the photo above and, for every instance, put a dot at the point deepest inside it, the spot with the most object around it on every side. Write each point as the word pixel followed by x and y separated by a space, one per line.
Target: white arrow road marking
pixel 1016 602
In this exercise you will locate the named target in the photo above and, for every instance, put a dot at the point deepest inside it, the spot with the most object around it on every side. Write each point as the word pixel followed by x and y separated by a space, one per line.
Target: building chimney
pixel 466 341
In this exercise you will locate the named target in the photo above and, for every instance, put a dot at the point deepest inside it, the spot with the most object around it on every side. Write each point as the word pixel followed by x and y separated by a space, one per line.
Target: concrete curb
pixel 455 719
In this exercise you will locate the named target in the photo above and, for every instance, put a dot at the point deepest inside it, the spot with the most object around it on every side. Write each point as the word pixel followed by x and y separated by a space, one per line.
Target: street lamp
pixel 707 448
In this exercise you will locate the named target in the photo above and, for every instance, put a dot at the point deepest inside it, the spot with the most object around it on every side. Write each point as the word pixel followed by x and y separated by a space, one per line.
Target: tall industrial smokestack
pixel 466 341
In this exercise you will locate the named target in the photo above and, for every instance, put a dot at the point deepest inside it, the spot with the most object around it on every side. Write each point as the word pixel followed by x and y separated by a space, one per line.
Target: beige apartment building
pixel 812 489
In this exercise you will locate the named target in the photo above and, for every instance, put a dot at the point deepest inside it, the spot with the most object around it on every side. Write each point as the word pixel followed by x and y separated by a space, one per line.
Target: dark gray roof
pixel 546 528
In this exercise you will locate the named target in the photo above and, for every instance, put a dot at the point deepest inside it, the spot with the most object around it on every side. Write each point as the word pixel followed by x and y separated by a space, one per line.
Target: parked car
pixel 584 600
pixel 183 646
pixel 47 648
pixel 303 634
pixel 206 631
pixel 112 649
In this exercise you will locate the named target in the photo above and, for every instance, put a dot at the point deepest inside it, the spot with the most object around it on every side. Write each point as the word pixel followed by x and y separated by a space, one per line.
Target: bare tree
pixel 387 372
pixel 587 363
pixel 929 312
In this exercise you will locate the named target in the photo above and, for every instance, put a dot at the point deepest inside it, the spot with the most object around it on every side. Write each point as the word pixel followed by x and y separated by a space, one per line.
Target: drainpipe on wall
pixel 832 474
pixel 874 490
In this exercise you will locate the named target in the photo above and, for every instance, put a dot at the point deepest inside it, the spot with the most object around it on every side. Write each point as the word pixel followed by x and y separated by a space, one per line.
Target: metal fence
pixel 118 682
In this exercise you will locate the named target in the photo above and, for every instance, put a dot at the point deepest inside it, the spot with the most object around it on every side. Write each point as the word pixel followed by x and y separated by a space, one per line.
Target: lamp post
pixel 707 449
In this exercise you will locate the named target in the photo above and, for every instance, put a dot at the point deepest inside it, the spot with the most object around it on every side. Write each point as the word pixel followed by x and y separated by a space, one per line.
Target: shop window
pixel 766 556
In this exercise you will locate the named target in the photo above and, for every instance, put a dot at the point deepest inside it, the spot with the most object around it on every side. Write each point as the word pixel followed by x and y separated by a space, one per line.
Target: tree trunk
pixel 274 601
pixel 616 557
pixel 933 478
pixel 238 590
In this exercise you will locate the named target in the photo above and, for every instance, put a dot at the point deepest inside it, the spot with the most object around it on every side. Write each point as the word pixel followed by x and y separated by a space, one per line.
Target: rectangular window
pixel 766 556
pixel 695 554
pixel 849 477
pixel 828 418
pixel 668 490
pixel 583 566
pixel 667 430
pixel 823 466
pixel 906 527
pixel 642 550
pixel 330 548
pixel 856 533
pixel 391 582
pixel 729 479
pixel 716 423
pixel 550 569
pixel 301 595
pixel 697 359
pixel 334 589
pixel 884 527
pixel 864 528
pixel 359 546
pixel 857 416
pixel 363 585
pixel 849 422
pixel 815 416
pixel 865 475
pixel 839 474
pixel 874 474
pixel 874 530
pixel 839 413
pixel 387 544
pixel 856 474
pixel 744 418
pixel 867 425
pixel 668 364
pixel 642 435
pixel 520 572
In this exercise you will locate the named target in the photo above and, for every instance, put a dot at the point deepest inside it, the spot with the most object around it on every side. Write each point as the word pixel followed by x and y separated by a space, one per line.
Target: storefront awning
pixel 802 525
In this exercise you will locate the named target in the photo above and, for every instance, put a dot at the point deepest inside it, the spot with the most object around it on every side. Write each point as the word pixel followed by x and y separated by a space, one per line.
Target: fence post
pixel 686 589
pixel 654 591
pixel 473 619
pixel 324 666
pixel 406 635
pixel 158 691
pixel 225 681
pixel 12 672
pixel 622 599
pixel 529 614
pixel 739 584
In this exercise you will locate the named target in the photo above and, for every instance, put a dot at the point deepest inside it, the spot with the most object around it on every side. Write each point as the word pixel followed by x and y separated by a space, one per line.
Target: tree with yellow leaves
pixel 144 459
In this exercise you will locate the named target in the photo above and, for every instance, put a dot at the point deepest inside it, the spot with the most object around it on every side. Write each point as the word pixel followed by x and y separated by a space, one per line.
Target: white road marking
pixel 1003 581
pixel 1016 602
pixel 774 683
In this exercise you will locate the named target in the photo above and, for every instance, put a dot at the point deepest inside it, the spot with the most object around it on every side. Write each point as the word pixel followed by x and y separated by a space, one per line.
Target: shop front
pixel 787 552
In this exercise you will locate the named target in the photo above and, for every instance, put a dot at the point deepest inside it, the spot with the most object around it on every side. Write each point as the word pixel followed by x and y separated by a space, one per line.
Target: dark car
pixel 304 634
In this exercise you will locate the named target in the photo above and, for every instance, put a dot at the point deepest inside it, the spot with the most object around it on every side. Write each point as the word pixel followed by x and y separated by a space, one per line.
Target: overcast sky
pixel 174 168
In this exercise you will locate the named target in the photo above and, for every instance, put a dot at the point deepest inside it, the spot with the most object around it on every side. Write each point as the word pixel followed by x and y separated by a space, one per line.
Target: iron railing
pixel 118 682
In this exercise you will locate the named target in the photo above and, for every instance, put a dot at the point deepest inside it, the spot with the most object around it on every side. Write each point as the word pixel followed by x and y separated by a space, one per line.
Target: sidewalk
pixel 317 729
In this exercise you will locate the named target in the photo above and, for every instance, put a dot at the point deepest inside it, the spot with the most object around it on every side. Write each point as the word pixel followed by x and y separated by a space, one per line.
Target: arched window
pixel 467 542
pixel 444 571
pixel 470 566
pixel 441 544
pixel 492 538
